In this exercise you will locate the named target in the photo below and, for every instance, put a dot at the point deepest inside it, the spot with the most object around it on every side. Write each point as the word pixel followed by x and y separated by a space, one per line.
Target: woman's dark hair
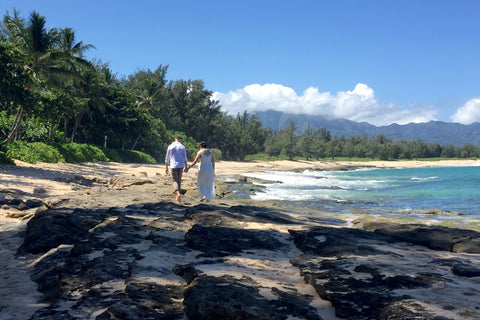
pixel 202 144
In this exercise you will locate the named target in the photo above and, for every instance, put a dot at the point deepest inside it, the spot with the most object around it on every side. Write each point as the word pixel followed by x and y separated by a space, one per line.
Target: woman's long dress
pixel 205 178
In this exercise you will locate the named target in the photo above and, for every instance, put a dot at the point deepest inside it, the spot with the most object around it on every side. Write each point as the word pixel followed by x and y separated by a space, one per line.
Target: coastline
pixel 55 178
pixel 103 186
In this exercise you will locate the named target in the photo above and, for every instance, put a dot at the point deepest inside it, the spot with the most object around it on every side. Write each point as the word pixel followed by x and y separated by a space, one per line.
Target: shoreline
pixel 96 184
pixel 55 177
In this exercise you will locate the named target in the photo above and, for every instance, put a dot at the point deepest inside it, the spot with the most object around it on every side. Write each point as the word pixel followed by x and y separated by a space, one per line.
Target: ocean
pixel 446 195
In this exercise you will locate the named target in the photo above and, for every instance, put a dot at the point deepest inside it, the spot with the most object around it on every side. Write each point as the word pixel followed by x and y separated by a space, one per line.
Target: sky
pixel 378 61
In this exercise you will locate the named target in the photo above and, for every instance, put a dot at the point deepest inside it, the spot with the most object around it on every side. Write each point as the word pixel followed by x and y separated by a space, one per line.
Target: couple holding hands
pixel 176 158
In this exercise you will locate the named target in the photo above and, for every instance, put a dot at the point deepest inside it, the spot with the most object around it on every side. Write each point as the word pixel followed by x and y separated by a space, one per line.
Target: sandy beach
pixel 96 185
pixel 55 177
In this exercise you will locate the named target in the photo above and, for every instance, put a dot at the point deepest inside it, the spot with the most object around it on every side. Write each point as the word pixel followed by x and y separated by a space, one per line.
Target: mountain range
pixel 440 132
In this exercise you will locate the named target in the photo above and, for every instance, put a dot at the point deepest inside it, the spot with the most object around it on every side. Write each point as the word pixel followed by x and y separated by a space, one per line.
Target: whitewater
pixel 431 195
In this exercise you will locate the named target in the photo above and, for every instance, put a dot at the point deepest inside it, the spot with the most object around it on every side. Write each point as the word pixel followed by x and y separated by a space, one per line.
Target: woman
pixel 206 172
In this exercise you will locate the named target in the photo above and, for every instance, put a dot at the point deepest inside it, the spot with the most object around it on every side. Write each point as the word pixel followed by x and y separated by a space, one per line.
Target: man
pixel 177 159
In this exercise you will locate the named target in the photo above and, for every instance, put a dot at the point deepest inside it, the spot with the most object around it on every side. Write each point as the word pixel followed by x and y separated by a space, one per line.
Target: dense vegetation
pixel 55 105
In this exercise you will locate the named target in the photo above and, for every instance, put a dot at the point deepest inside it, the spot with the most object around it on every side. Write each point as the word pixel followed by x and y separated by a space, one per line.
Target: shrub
pixel 264 157
pixel 81 152
pixel 133 156
pixel 217 153
pixel 4 159
pixel 33 152
pixel 111 154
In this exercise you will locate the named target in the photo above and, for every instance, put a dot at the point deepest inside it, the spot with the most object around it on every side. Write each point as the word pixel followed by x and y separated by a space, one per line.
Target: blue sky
pixel 377 61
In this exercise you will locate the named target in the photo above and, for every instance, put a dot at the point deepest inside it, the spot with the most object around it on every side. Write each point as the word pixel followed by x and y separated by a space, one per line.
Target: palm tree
pixel 53 57
pixel 39 45
pixel 32 41
pixel 149 88
pixel 79 72
pixel 36 42
pixel 150 95
pixel 14 84
pixel 93 91
pixel 73 51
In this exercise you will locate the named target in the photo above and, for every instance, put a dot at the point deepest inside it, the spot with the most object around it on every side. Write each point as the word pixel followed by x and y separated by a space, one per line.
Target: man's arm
pixel 185 160
pixel 167 159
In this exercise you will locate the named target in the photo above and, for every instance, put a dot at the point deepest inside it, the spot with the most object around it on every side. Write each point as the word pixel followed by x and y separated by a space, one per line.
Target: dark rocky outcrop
pixel 221 241
pixel 433 237
pixel 357 289
pixel 166 261
pixel 212 298
pixel 339 242
pixel 51 228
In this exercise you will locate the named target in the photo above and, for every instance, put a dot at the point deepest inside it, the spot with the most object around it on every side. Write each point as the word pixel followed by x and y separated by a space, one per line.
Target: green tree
pixel 52 58
pixel 467 151
pixel 272 145
pixel 191 109
pixel 448 151
pixel 150 90
pixel 288 140
pixel 418 149
pixel 433 150
pixel 305 144
pixel 14 86
pixel 321 138
pixel 245 136
pixel 72 51
pixel 333 147
pixel 91 93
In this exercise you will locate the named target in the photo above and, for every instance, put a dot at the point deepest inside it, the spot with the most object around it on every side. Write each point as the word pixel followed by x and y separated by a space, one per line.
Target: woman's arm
pixel 196 159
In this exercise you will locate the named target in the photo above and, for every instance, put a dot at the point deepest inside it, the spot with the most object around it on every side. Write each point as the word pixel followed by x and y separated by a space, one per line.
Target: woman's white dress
pixel 205 177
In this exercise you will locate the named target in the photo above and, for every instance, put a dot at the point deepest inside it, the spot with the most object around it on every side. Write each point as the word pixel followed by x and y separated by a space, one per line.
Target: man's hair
pixel 178 138
pixel 202 144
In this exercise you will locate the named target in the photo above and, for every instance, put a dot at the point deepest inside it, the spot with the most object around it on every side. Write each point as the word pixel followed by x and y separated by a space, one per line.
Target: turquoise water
pixel 454 189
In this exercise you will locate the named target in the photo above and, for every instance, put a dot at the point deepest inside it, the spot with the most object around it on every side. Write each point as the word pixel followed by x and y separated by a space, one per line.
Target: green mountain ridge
pixel 440 132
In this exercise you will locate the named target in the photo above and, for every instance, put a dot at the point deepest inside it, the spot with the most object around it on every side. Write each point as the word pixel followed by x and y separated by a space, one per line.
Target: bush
pixel 4 159
pixel 264 157
pixel 129 156
pixel 81 152
pixel 133 156
pixel 217 153
pixel 69 152
pixel 111 154
pixel 33 152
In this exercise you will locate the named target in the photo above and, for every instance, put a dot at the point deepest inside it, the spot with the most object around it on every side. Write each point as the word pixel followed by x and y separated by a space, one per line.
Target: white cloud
pixel 359 104
pixel 469 113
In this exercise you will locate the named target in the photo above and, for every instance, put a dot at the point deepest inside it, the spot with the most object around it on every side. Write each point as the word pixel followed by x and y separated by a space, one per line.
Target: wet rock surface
pixel 162 260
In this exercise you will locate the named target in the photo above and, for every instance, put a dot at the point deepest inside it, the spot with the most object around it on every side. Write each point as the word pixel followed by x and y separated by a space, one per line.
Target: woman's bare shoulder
pixel 206 152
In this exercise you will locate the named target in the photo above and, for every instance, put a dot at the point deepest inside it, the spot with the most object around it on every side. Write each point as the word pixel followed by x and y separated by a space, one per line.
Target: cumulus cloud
pixel 469 113
pixel 358 104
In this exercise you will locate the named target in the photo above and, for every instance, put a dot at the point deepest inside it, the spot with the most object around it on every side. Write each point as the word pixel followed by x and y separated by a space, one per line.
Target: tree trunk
pixel 65 130
pixel 135 144
pixel 16 126
pixel 77 123
pixel 53 130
